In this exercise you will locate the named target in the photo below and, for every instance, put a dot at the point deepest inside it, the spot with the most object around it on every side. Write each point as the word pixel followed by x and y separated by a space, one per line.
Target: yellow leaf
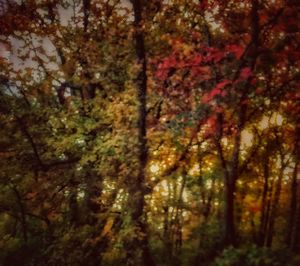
pixel 108 226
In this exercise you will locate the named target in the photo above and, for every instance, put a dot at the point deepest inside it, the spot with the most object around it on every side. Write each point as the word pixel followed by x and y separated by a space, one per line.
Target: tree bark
pixel 138 251
pixel 22 214
pixel 93 193
pixel 230 183
pixel 295 241
pixel 274 209
pixel 293 207
pixel 178 222
pixel 264 199
pixel 293 235
pixel 73 205
pixel 232 169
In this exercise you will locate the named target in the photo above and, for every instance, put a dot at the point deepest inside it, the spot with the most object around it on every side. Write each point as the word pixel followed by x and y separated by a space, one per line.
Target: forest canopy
pixel 146 133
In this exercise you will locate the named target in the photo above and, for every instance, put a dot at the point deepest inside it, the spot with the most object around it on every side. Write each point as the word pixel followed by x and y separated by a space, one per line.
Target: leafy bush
pixel 256 256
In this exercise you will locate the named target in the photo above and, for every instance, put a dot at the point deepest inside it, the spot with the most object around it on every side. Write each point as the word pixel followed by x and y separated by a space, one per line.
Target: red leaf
pixel 215 92
pixel 164 66
pixel 211 121
pixel 207 97
pixel 263 17
pixel 237 50
pixel 216 56
pixel 203 72
pixel 223 83
pixel 210 126
pixel 196 60
pixel 161 74
pixel 246 73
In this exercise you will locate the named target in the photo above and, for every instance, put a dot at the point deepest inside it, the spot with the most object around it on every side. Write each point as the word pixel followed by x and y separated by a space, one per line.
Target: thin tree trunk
pixel 294 219
pixel 230 237
pixel 73 206
pixel 267 212
pixel 293 207
pixel 168 226
pixel 178 223
pixel 22 214
pixel 208 204
pixel 264 200
pixel 92 194
pixel 295 241
pixel 166 232
pixel 86 14
pixel 274 209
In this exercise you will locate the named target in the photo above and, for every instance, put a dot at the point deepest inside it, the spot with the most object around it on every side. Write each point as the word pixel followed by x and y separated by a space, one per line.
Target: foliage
pixel 149 132
pixel 253 255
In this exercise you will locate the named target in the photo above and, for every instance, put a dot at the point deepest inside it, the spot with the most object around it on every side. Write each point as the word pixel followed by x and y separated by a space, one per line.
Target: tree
pixel 149 132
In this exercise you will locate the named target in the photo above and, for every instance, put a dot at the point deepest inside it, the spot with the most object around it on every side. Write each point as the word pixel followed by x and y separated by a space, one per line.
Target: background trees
pixel 149 133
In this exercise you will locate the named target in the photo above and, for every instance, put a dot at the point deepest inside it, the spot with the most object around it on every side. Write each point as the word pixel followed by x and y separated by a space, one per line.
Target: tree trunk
pixel 138 252
pixel 267 212
pixel 232 170
pixel 166 233
pixel 22 214
pixel 93 192
pixel 274 209
pixel 230 183
pixel 264 200
pixel 229 213
pixel 178 223
pixel 295 241
pixel 73 206
pixel 293 207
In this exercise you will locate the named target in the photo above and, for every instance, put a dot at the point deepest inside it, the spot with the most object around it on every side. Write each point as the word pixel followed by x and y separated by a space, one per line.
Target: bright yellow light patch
pixel 194 170
pixel 247 138
pixel 277 119
pixel 154 168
